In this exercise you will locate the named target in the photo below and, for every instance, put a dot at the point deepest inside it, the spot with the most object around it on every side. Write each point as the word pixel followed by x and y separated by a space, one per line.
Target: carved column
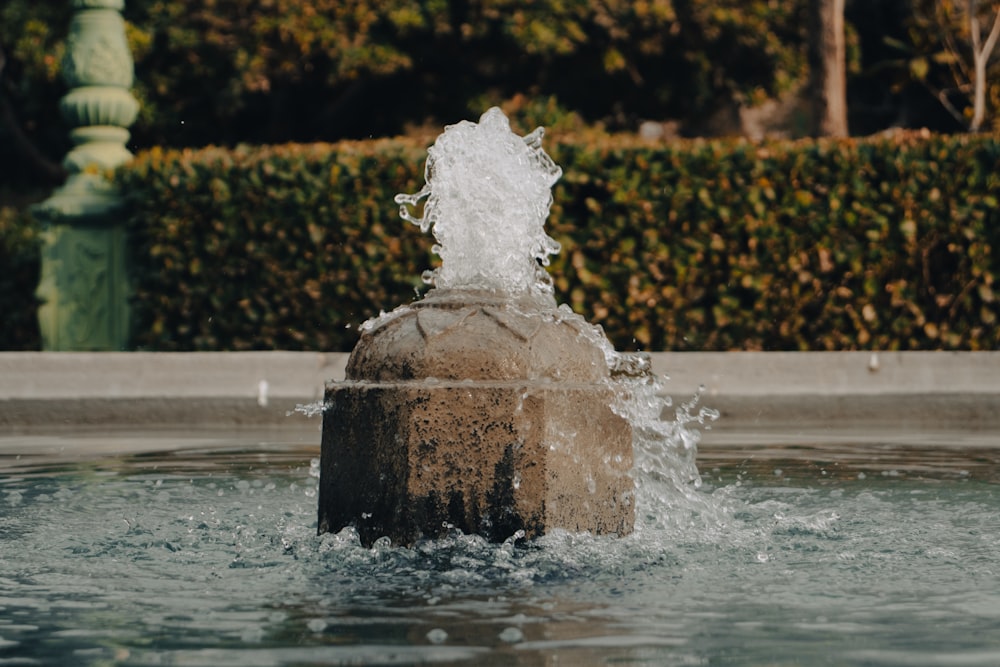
pixel 84 288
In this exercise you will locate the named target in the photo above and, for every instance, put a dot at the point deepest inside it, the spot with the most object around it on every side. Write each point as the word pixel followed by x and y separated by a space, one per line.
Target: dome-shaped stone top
pixel 455 335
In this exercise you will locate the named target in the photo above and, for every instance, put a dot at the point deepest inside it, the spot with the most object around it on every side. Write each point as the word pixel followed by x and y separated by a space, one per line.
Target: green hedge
pixel 278 247
pixel 881 243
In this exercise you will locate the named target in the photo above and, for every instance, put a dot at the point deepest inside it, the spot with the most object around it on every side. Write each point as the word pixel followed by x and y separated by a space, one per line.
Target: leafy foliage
pixel 230 71
pixel 32 37
pixel 276 247
pixel 886 243
pixel 938 55
pixel 817 245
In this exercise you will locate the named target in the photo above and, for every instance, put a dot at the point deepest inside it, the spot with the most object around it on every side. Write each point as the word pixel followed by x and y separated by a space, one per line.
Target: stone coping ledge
pixel 57 390
pixel 114 375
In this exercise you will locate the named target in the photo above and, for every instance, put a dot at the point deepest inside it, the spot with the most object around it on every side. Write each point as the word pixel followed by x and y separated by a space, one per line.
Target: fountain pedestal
pixel 483 413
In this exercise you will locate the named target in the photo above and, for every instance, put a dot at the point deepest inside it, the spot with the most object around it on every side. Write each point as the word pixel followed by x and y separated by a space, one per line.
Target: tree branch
pixel 991 41
pixel 971 6
pixel 942 96
pixel 957 63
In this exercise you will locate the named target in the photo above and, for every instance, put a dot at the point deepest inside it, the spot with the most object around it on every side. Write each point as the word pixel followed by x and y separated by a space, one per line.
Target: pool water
pixel 203 551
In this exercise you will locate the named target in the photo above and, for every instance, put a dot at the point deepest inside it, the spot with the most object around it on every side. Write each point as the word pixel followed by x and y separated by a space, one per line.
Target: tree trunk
pixel 979 95
pixel 828 68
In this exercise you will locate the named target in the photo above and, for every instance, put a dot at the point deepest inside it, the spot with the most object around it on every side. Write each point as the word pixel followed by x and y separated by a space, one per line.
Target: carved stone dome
pixel 456 335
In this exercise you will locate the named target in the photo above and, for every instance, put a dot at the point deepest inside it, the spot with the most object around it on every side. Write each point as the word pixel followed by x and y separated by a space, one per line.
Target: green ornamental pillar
pixel 84 287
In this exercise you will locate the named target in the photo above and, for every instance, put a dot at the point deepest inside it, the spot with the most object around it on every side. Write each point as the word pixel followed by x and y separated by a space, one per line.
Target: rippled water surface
pixel 856 550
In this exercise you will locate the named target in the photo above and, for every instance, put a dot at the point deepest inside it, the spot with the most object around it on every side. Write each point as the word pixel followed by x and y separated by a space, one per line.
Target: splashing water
pixel 664 442
pixel 665 448
pixel 488 193
pixel 214 554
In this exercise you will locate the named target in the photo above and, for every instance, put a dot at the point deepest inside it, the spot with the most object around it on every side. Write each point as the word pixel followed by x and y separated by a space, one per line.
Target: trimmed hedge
pixel 277 247
pixel 881 243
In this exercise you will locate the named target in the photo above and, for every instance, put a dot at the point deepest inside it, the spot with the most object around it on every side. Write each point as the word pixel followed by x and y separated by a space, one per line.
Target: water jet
pixel 483 406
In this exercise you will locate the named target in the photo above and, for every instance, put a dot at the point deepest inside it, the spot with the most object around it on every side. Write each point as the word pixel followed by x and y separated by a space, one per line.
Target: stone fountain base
pixel 409 460
pixel 474 412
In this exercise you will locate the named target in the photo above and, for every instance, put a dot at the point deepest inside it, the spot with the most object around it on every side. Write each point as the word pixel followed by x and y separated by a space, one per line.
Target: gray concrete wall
pixel 751 389
pixel 841 390
pixel 63 389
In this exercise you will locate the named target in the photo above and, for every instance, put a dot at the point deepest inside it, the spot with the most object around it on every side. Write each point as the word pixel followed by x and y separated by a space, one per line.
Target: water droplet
pixel 437 636
pixel 511 635
pixel 873 363
pixel 252 634
pixel 262 391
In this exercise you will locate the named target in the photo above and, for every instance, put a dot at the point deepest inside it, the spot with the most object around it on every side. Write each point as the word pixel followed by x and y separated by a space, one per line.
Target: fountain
pixel 859 496
pixel 482 407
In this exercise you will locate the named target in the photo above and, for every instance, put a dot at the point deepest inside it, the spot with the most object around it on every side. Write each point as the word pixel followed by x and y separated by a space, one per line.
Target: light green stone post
pixel 84 285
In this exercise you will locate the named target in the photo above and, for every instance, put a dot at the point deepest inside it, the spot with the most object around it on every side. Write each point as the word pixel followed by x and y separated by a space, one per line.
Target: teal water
pixel 853 552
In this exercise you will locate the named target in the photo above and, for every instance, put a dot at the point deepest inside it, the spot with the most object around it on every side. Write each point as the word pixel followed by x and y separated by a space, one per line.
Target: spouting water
pixel 523 415
pixel 488 194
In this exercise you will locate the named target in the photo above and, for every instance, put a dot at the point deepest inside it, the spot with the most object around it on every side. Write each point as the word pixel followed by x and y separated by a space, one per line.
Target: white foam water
pixel 488 194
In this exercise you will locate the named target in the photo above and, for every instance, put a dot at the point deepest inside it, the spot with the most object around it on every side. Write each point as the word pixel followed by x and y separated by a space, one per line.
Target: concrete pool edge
pixel 40 390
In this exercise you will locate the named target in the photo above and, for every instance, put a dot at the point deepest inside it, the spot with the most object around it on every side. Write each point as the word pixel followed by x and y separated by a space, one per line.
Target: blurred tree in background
pixel 268 71
pixel 226 70
pixel 32 38
pixel 827 50
pixel 951 51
